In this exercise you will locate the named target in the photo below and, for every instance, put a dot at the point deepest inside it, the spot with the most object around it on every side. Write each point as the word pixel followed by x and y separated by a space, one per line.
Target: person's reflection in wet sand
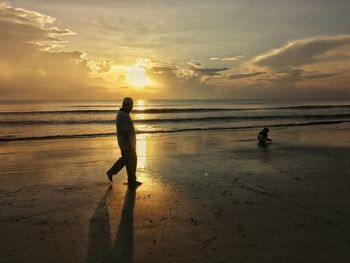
pixel 100 247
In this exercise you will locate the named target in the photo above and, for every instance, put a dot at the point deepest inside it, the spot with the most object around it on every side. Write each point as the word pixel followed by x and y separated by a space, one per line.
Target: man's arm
pixel 126 138
pixel 123 133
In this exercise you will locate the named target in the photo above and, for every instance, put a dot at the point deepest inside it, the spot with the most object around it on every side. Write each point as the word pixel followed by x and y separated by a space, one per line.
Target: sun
pixel 136 76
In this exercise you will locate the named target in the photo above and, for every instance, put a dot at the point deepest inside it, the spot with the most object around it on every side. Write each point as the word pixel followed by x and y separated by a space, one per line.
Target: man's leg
pixel 117 166
pixel 131 164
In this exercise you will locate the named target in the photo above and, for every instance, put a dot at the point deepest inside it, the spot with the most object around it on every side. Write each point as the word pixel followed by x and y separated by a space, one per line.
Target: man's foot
pixel 134 184
pixel 110 176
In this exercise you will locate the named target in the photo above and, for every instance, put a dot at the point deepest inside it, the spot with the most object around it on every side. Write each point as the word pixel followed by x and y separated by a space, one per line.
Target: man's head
pixel 127 104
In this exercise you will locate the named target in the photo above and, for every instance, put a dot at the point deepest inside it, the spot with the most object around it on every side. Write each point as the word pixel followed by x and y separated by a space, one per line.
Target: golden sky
pixel 169 49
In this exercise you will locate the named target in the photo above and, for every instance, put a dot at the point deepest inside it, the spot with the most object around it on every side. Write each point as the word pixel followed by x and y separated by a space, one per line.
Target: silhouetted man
pixel 127 144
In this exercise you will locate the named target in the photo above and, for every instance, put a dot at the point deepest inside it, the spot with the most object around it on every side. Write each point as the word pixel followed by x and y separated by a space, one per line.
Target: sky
pixel 167 49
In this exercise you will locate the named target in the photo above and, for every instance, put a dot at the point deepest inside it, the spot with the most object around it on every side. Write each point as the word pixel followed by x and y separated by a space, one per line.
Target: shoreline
pixel 99 135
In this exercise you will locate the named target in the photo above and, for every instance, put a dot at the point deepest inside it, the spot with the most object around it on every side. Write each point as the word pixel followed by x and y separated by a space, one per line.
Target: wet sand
pixel 206 197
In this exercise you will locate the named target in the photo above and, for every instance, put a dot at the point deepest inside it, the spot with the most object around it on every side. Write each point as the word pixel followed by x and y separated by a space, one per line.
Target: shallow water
pixel 55 120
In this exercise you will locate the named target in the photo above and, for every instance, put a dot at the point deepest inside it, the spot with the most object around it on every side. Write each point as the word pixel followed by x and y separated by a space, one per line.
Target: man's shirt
pixel 124 125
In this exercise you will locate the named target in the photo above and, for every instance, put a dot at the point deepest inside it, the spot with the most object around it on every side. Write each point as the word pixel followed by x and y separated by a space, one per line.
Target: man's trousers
pixel 128 159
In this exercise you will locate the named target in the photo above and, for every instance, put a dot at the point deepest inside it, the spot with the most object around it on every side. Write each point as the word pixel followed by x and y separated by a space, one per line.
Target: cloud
pixel 319 64
pixel 195 64
pixel 247 75
pixel 35 64
pixel 32 66
pixel 232 58
pixel 22 16
pixel 174 82
pixel 208 71
pixel 304 52
pixel 104 66
pixel 317 76
pixel 311 67
pixel 161 69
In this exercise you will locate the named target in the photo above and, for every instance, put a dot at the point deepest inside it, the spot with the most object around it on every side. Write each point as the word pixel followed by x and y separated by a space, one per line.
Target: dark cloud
pixel 208 71
pixel 318 76
pixel 247 75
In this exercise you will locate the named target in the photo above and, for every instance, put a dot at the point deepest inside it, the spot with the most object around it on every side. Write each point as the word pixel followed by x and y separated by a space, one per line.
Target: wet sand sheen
pixel 206 197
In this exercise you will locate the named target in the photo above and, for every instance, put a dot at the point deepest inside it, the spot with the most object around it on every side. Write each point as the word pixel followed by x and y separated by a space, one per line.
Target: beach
pixel 207 196
pixel 232 119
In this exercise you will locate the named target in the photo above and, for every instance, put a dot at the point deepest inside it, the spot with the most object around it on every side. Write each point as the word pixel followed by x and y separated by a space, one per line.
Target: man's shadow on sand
pixel 100 247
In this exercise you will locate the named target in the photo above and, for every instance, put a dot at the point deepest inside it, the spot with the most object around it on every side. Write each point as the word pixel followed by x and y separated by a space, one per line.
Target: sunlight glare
pixel 137 77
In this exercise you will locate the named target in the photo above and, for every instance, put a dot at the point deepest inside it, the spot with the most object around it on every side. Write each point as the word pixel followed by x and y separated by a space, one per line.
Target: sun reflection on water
pixel 141 150
pixel 140 105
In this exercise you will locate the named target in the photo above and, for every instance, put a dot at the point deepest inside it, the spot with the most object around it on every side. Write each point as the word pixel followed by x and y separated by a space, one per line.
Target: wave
pixel 174 110
pixel 305 107
pixel 93 106
pixel 174 120
pixel 94 135
pixel 145 111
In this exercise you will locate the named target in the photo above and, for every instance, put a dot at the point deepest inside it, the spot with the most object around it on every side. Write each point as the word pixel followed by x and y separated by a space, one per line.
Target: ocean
pixel 60 120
